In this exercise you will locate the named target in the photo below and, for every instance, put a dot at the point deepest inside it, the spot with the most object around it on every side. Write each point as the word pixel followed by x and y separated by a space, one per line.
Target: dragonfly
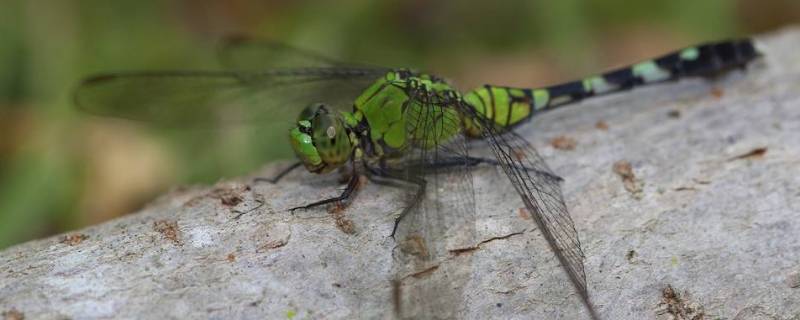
pixel 397 127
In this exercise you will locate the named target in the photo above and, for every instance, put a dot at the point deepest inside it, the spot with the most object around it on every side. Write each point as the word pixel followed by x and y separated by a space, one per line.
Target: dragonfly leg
pixel 474 161
pixel 534 170
pixel 390 179
pixel 415 201
pixel 348 192
pixel 280 174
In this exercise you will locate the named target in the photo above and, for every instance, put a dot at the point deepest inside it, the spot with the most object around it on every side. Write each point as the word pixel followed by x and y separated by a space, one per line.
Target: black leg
pixel 239 213
pixel 494 162
pixel 348 192
pixel 385 176
pixel 415 202
pixel 376 175
pixel 280 175
pixel 473 161
pixel 456 162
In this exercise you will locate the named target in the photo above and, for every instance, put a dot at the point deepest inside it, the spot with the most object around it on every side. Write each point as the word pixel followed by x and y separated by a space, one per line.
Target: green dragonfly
pixel 397 127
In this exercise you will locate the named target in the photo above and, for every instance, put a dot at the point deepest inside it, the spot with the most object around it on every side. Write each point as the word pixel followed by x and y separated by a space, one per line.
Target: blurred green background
pixel 60 169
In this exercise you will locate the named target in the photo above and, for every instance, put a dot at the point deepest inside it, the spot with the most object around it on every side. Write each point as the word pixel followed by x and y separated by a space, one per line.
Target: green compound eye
pixel 320 140
pixel 305 150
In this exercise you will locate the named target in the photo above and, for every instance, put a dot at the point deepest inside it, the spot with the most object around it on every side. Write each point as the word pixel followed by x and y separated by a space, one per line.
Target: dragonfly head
pixel 320 139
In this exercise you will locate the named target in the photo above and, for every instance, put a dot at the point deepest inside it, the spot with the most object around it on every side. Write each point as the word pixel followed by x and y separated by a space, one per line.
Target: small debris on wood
pixel 461 251
pixel 753 154
pixel 74 239
pixel 229 197
pixel 415 245
pixel 717 92
pixel 524 214
pixel 685 189
pixel 602 125
pixel 271 236
pixel 793 279
pixel 231 257
pixel 168 229
pixel 274 244
pixel 674 114
pixel 344 224
pixel 231 200
pixel 631 256
pixel 680 308
pixel 625 171
pixel 563 143
pixel 13 314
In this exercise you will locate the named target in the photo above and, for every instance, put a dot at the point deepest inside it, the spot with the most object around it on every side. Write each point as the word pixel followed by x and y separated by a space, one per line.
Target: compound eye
pixel 331 132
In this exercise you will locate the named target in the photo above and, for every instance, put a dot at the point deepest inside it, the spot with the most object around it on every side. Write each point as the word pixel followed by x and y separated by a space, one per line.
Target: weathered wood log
pixel 686 197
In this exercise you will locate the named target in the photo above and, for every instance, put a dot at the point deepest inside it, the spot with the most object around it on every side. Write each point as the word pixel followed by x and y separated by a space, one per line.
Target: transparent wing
pixel 540 190
pixel 181 98
pixel 439 221
pixel 243 53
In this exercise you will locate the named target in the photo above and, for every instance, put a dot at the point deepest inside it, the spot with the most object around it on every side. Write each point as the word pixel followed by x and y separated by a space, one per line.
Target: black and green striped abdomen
pixel 511 106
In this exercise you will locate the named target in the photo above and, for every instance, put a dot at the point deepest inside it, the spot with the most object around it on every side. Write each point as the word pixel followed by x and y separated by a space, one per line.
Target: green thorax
pixel 405 109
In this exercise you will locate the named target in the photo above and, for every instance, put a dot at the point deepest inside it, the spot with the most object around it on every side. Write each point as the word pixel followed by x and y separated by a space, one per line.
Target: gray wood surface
pixel 709 223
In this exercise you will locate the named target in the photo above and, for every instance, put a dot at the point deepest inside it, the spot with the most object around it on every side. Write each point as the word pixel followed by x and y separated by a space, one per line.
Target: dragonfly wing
pixel 182 98
pixel 540 190
pixel 429 283
pixel 243 53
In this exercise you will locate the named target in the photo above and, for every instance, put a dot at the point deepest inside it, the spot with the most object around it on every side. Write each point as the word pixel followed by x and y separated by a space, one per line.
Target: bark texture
pixel 686 197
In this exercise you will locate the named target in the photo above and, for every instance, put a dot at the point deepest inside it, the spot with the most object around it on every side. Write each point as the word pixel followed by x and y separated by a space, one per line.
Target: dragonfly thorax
pixel 321 140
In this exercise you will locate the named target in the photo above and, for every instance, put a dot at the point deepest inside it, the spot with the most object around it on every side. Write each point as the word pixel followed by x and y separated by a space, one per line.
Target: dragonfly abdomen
pixel 705 60
pixel 504 105
pixel 511 106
